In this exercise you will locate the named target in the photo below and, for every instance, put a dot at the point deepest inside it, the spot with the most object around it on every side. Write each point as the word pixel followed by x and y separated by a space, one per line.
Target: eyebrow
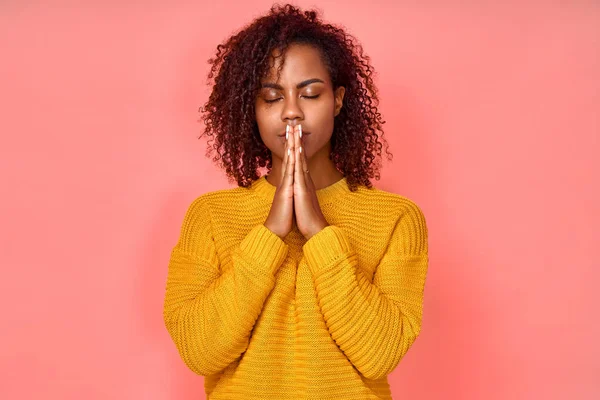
pixel 298 86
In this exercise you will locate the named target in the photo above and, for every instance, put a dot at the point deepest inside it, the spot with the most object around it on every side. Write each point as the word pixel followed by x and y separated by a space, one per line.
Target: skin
pixel 295 201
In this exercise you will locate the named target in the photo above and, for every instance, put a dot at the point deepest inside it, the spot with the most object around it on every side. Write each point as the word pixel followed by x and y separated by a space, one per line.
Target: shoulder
pixel 229 195
pixel 221 201
pixel 409 233
pixel 394 205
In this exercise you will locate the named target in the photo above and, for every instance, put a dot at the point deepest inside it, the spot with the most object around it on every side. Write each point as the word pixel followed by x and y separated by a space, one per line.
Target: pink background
pixel 492 116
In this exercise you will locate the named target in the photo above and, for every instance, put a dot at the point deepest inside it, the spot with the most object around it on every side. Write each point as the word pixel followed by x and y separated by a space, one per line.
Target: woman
pixel 306 282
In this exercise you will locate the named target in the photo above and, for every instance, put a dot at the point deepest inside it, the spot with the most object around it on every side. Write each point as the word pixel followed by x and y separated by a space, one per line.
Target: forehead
pixel 301 62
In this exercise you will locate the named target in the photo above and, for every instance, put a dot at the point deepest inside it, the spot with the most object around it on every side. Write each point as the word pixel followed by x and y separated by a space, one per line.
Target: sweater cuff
pixel 323 248
pixel 265 249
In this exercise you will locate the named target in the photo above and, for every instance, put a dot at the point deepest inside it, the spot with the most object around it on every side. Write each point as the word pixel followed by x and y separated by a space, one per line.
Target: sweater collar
pixel 326 194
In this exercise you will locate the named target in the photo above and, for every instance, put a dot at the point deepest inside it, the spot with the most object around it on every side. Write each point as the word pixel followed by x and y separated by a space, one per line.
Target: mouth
pixel 304 133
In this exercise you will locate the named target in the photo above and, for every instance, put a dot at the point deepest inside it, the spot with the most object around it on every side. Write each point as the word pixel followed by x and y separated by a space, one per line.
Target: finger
pixel 298 170
pixel 289 171
pixel 304 160
pixel 307 179
pixel 306 172
pixel 308 182
pixel 285 153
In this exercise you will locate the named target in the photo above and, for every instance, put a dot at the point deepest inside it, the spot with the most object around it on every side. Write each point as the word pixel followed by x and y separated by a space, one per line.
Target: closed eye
pixel 306 97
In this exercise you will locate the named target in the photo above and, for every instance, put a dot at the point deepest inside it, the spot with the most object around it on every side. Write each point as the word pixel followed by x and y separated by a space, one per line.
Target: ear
pixel 339 99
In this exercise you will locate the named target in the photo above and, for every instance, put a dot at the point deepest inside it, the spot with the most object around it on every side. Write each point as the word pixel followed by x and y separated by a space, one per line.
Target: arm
pixel 209 313
pixel 374 324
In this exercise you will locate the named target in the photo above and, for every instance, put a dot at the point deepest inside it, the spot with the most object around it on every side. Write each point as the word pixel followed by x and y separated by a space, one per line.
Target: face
pixel 303 95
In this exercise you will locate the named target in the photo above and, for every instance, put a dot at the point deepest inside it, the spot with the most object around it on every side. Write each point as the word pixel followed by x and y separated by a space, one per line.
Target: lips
pixel 304 133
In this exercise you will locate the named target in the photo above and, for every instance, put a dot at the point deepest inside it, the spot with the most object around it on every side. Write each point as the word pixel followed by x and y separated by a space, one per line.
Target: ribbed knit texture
pixel 266 318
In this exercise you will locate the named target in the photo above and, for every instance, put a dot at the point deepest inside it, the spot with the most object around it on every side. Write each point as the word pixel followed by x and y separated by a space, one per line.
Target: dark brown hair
pixel 245 57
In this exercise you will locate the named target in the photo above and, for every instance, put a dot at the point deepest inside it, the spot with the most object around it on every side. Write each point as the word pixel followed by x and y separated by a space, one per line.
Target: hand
pixel 309 218
pixel 281 216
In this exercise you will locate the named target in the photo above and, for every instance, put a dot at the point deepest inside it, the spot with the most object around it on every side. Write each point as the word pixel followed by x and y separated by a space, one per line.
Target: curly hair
pixel 244 58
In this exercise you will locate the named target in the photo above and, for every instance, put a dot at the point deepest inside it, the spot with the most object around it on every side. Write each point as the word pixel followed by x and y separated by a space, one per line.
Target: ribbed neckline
pixel 326 194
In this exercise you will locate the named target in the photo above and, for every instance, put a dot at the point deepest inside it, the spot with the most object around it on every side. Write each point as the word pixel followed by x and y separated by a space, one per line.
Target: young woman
pixel 306 282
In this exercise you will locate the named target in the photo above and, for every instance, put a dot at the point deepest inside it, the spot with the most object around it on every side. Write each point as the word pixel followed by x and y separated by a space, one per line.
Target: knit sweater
pixel 326 318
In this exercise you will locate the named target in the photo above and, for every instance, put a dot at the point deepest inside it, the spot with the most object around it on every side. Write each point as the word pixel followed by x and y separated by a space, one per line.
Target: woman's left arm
pixel 374 324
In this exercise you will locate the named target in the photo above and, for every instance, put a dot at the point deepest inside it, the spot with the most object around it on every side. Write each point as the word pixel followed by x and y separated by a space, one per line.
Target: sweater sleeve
pixel 374 324
pixel 209 312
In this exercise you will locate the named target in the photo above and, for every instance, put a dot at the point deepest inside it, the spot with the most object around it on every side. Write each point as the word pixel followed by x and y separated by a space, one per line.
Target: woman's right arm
pixel 209 314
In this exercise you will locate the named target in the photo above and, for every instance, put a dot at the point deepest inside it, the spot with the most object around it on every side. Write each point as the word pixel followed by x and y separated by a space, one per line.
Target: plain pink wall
pixel 492 116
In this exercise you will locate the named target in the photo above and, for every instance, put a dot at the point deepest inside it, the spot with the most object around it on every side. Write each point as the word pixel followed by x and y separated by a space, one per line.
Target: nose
pixel 292 113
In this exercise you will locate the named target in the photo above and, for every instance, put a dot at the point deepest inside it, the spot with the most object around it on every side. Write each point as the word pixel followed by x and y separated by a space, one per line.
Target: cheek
pixel 265 116
pixel 267 131
pixel 326 110
pixel 262 121
pixel 324 118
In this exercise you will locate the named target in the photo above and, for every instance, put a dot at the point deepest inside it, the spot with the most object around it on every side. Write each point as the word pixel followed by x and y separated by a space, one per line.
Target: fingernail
pixel 300 149
pixel 300 130
pixel 287 132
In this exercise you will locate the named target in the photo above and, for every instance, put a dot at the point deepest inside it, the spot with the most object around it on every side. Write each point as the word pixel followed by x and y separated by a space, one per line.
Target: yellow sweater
pixel 266 318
